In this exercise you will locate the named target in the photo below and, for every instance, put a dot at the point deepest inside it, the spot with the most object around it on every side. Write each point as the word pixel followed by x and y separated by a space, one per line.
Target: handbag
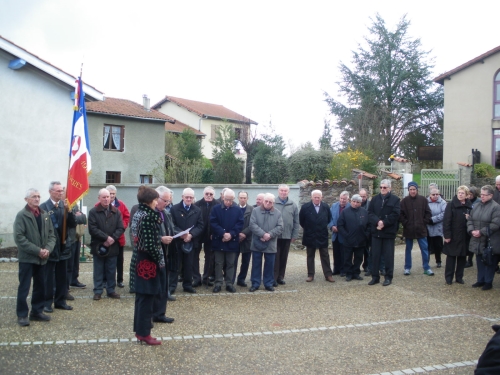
pixel 487 251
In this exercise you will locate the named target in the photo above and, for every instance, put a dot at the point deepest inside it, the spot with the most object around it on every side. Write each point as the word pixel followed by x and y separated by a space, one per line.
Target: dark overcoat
pixel 385 208
pixel 455 227
pixel 315 225
pixel 414 216
pixel 60 252
pixel 226 220
pixel 245 244
pixel 184 219
pixel 104 223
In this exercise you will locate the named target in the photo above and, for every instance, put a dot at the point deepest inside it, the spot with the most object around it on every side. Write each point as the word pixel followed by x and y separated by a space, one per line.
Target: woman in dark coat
pixel 150 272
pixel 456 238
pixel 474 198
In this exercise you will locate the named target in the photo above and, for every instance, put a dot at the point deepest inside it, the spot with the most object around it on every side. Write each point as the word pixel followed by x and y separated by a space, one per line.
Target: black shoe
pixel 348 278
pixel 438 265
pixel 40 317
pixel 23 321
pixel 197 283
pixel 217 289
pixel 387 282
pixel 270 288
pixel 163 319
pixel 468 264
pixel 69 297
pixel 487 286
pixel 230 289
pixel 448 283
pixel 374 281
pixel 459 281
pixel 48 309
pixel 357 277
pixel 342 274
pixel 78 285
pixel 368 273
pixel 208 283
pixel 242 283
pixel 63 307
pixel 190 289
pixel 335 273
pixel 281 282
pixel 121 285
pixel 478 284
pixel 275 283
pixel 252 289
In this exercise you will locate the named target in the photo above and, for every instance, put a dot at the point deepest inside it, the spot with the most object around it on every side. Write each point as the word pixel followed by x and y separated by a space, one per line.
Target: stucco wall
pixel 144 144
pixel 468 113
pixel 36 115
pixel 193 120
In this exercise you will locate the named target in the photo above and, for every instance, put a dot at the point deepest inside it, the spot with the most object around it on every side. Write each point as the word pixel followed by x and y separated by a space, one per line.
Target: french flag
pixel 79 153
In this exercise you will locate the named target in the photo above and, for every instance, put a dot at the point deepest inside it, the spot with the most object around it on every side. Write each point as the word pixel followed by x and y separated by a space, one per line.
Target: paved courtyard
pixel 416 325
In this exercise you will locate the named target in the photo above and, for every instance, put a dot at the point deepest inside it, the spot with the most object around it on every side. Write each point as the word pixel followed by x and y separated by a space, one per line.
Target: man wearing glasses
pixel 415 215
pixel 205 204
pixel 383 214
pixel 186 215
pixel 35 239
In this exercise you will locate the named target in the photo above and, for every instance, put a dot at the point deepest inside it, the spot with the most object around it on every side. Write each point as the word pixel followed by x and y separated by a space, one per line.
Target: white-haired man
pixel 35 239
pixel 186 216
pixel 314 217
pixel 105 228
pixel 290 215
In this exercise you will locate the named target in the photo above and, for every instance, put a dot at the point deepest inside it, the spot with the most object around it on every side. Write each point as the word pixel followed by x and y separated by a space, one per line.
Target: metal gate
pixel 448 180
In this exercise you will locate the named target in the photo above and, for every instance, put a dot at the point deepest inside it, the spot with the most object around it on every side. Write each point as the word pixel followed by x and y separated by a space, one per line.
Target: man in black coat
pixel 353 227
pixel 314 218
pixel 383 214
pixel 205 204
pixel 57 266
pixel 186 215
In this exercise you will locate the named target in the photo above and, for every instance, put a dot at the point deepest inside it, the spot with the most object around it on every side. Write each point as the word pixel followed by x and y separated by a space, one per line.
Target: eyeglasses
pixel 268 201
pixel 210 194
pixel 434 195
pixel 486 195
pixel 188 197
pixel 165 200
pixel 384 187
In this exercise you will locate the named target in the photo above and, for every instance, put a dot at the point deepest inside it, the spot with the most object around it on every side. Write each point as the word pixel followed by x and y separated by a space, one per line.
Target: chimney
pixel 145 102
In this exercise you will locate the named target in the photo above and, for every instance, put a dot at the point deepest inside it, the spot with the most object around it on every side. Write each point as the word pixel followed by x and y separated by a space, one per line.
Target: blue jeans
pixel 424 249
pixel 104 266
pixel 256 275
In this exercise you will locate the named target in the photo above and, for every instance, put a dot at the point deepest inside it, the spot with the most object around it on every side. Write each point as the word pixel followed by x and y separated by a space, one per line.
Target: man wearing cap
pixel 414 216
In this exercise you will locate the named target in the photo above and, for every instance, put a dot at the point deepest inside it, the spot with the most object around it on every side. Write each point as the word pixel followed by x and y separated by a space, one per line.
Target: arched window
pixel 496 97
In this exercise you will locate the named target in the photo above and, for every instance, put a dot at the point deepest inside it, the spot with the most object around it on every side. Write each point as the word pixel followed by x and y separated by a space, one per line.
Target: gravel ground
pixel 318 327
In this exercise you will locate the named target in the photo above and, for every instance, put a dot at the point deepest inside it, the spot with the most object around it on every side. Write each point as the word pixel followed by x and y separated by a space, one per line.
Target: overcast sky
pixel 267 60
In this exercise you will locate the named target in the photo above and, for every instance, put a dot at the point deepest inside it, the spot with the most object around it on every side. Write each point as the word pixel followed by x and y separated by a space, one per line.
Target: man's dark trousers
pixel 352 266
pixel 27 271
pixel 383 247
pixel 60 271
pixel 283 248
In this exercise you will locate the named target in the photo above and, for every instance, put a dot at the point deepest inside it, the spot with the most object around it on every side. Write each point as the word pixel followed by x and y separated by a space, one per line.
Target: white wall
pixel 468 113
pixel 36 115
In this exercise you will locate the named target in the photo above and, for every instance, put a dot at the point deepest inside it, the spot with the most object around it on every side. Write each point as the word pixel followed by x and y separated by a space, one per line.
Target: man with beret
pixel 414 216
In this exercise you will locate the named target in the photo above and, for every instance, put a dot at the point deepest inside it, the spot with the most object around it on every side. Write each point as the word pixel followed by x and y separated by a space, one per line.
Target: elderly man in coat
pixel 338 251
pixel 35 239
pixel 226 222
pixel 314 217
pixel 105 229
pixel 266 225
pixel 414 216
pixel 290 215
pixel 245 239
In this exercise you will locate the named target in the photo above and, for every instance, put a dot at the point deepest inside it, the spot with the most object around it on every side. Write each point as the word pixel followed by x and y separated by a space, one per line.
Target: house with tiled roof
pixel 127 140
pixel 204 118
pixel 472 110
pixel 36 117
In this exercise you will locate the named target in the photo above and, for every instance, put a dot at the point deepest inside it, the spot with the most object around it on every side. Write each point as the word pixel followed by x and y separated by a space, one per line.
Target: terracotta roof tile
pixel 365 174
pixel 440 79
pixel 206 109
pixel 178 127
pixel 127 108
pixel 401 160
pixel 392 175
